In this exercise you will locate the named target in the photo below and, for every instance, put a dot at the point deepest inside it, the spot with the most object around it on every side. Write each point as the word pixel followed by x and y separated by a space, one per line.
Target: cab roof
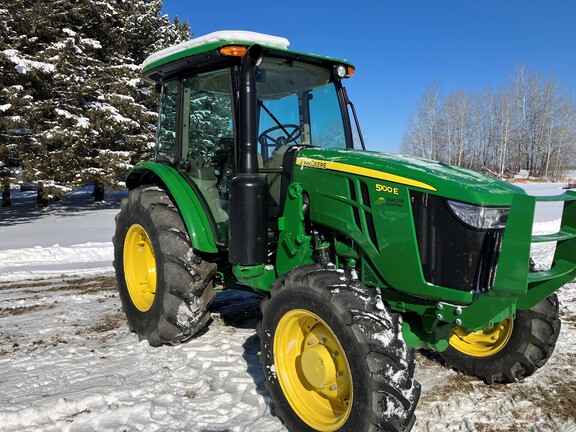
pixel 157 65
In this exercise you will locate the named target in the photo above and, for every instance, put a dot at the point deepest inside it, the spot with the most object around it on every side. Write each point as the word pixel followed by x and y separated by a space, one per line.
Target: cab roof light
pixel 343 71
pixel 233 51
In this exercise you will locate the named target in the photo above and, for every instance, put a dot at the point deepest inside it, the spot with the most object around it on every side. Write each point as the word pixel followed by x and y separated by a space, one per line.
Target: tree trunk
pixel 41 196
pixel 98 192
pixel 6 199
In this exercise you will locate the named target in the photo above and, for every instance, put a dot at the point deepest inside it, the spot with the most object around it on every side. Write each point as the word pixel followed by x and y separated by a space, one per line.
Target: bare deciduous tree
pixel 527 124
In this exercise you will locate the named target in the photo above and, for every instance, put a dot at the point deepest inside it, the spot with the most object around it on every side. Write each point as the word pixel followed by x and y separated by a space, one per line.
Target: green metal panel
pixel 294 248
pixel 419 174
pixel 205 48
pixel 192 211
pixel 512 274
pixel 260 277
pixel 563 269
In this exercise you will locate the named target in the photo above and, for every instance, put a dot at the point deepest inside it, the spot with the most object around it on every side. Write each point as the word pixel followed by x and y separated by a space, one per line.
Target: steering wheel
pixel 267 140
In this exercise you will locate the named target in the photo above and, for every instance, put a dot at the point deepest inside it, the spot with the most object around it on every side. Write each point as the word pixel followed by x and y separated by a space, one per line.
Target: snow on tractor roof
pixel 219 37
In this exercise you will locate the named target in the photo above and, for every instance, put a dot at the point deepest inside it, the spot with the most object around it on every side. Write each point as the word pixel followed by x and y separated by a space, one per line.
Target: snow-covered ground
pixel 69 363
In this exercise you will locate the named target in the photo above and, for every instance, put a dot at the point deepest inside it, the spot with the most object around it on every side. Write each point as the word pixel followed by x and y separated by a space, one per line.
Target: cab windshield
pixel 298 105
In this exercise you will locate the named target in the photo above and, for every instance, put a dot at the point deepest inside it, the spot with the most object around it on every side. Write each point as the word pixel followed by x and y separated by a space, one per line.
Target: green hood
pixel 429 176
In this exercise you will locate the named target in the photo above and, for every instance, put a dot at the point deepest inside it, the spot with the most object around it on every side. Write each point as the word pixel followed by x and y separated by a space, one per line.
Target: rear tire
pixel 333 356
pixel 512 350
pixel 164 286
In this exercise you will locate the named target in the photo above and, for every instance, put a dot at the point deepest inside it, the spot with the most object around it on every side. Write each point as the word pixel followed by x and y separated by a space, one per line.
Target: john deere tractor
pixel 260 182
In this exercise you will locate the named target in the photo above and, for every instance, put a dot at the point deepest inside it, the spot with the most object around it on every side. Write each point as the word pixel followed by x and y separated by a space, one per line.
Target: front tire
pixel 333 356
pixel 164 286
pixel 512 350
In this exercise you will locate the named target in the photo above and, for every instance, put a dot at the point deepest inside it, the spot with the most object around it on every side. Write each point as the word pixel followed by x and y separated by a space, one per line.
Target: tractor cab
pixel 299 101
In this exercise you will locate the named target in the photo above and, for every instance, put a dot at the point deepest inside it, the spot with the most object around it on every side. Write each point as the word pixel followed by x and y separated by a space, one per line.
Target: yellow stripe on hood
pixel 304 162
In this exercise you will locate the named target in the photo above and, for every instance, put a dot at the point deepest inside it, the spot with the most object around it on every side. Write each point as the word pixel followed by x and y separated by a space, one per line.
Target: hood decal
pixel 304 162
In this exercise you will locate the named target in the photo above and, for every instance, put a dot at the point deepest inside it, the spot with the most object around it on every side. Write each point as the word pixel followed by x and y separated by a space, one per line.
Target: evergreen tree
pixel 13 103
pixel 74 105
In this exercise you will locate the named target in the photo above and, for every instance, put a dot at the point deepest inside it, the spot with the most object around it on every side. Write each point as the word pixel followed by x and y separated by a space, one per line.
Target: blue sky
pixel 400 47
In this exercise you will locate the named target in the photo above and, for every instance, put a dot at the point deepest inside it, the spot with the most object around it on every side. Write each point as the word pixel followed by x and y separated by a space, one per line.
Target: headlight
pixel 480 217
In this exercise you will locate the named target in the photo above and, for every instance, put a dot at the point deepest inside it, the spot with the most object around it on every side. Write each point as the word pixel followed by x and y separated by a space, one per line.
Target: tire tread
pixel 183 277
pixel 390 363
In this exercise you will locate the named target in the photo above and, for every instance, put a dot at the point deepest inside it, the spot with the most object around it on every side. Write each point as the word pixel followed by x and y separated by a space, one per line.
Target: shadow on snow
pixel 24 210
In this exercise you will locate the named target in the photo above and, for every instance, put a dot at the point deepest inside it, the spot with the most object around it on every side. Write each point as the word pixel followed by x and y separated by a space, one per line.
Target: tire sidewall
pixel 339 324
pixel 141 322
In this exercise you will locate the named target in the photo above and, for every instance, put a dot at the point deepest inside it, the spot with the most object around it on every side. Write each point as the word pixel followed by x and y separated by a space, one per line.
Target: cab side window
pixel 207 118
pixel 207 150
pixel 166 131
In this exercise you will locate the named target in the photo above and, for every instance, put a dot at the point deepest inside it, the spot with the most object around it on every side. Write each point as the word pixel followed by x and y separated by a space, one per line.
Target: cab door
pixel 207 141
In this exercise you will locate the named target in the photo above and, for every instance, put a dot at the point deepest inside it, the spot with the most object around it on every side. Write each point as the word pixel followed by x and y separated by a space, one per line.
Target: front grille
pixel 369 276
pixel 452 254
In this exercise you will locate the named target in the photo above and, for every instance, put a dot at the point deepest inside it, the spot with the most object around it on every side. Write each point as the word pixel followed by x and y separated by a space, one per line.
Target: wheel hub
pixel 139 267
pixel 318 367
pixel 313 370
pixel 483 343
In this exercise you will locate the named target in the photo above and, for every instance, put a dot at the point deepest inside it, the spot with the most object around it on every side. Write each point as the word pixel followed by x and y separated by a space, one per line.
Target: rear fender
pixel 190 207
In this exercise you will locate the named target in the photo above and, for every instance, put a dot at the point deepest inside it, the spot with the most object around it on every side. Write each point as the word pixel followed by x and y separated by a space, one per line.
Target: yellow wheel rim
pixel 313 370
pixel 139 267
pixel 482 343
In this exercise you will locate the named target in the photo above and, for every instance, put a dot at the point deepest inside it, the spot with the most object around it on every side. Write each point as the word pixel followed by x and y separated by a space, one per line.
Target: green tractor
pixel 260 182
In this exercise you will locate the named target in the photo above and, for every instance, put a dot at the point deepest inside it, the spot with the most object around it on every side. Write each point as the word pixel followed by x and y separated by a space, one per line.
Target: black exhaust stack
pixel 248 226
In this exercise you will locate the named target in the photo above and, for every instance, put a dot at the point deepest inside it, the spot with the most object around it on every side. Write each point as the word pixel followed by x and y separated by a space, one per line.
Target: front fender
pixel 191 209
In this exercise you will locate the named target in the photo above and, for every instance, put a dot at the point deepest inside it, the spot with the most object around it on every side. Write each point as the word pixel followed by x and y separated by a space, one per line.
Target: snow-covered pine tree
pixel 73 102
pixel 13 102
